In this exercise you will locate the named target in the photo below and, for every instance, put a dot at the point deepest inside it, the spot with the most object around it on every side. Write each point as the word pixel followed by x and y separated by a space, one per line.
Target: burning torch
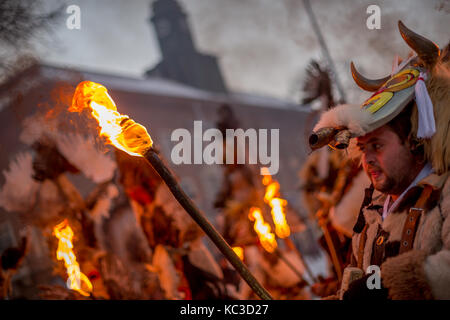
pixel 133 138
pixel 76 280
pixel 282 229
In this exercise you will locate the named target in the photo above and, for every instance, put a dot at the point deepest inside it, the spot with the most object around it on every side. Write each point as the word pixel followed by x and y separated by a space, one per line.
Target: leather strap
pixel 360 223
pixel 410 226
pixel 362 243
pixel 379 247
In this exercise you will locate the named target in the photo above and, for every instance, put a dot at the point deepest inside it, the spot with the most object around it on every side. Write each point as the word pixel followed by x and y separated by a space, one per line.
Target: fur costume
pixel 423 272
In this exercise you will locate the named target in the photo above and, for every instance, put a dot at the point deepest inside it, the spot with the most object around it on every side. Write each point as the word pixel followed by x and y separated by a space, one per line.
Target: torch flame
pixel 121 131
pixel 266 237
pixel 277 204
pixel 279 218
pixel 271 191
pixel 267 178
pixel 64 252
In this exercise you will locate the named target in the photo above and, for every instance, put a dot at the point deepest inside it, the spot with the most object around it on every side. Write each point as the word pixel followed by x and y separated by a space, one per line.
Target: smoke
pixel 19 191
pixel 86 156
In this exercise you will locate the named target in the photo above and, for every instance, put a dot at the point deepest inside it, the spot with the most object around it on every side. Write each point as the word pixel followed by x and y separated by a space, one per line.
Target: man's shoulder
pixel 441 184
pixel 437 182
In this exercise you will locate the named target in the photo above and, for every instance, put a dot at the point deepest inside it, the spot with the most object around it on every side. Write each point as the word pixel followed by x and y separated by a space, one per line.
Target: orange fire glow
pixel 266 237
pixel 239 251
pixel 271 191
pixel 277 205
pixel 77 280
pixel 267 178
pixel 279 218
pixel 120 130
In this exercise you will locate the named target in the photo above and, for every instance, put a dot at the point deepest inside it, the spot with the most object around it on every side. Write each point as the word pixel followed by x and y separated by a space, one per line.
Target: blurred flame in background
pixel 77 280
pixel 266 237
pixel 282 229
pixel 277 204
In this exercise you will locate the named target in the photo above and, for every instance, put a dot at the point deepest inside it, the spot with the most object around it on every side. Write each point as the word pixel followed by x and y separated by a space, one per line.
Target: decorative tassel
pixel 427 125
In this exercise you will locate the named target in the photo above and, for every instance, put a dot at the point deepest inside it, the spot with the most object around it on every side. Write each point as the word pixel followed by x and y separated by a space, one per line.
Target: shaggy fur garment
pixel 405 278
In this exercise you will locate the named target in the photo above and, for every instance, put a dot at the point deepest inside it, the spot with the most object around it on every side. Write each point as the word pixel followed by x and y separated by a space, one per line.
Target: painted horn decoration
pixel 365 83
pixel 426 49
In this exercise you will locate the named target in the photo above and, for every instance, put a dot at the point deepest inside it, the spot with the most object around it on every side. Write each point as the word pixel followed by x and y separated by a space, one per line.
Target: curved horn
pixel 321 137
pixel 364 83
pixel 426 49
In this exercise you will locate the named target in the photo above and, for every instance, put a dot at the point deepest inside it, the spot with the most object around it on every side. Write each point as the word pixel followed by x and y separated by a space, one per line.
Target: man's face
pixel 387 161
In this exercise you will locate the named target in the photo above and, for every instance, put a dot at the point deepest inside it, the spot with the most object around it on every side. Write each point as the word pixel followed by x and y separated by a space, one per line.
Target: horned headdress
pixel 424 77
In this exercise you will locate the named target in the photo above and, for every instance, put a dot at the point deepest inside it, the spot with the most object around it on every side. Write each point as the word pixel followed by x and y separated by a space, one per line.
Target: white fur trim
pixel 346 115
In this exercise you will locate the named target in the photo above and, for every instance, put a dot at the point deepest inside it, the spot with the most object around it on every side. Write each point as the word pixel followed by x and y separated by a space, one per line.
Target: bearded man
pixel 401 135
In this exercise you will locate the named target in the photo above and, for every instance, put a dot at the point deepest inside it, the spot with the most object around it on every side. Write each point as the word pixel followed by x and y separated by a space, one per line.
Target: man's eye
pixel 377 146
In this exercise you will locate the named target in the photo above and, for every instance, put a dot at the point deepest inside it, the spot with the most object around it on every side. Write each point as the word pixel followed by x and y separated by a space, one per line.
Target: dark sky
pixel 263 45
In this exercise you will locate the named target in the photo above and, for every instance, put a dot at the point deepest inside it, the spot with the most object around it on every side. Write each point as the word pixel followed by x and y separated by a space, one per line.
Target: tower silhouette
pixel 181 61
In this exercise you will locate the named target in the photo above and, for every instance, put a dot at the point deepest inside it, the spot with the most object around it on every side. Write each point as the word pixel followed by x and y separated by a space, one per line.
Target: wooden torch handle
pixel 152 157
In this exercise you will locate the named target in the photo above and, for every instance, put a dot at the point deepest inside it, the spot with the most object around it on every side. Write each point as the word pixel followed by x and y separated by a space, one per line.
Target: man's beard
pixel 383 182
pixel 386 185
